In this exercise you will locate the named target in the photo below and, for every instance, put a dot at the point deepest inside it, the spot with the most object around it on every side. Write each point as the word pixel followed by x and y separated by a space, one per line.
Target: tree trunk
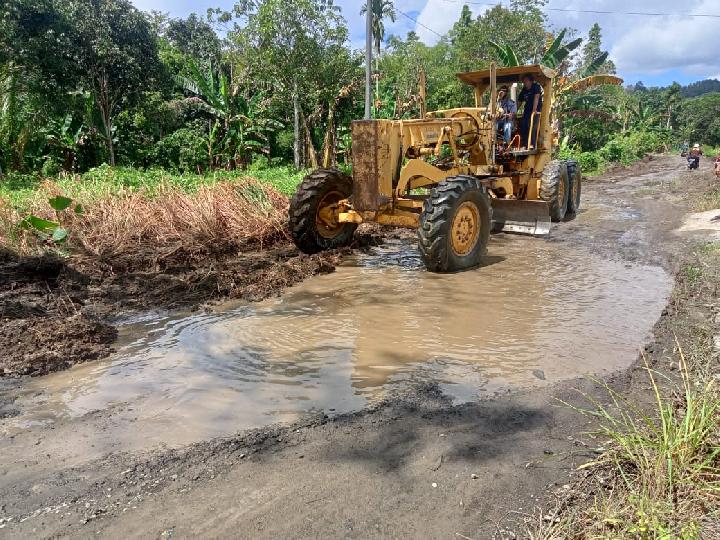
pixel 11 115
pixel 328 151
pixel 107 124
pixel 311 153
pixel 105 104
pixel 296 126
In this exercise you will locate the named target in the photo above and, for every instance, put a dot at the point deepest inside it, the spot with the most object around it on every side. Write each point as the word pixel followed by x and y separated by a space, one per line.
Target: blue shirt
pixel 508 105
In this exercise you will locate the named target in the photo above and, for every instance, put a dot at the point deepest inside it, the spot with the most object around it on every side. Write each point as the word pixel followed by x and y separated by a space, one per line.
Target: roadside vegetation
pixel 100 96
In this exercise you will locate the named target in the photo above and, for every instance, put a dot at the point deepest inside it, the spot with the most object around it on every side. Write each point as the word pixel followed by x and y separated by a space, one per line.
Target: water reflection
pixel 340 340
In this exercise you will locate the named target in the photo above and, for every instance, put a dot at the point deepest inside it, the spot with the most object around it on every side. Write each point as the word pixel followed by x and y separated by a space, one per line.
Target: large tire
pixel 318 190
pixel 554 189
pixel 575 191
pixel 455 225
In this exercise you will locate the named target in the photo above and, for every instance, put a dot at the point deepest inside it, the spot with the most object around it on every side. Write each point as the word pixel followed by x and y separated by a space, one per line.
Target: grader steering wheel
pixel 464 143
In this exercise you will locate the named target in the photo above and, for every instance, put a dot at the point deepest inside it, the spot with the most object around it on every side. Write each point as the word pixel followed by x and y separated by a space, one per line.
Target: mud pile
pixel 56 312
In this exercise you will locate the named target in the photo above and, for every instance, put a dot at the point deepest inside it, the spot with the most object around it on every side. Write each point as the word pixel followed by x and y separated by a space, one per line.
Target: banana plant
pixel 65 139
pixel 554 55
pixel 238 126
pixel 506 54
pixel 557 52
pixel 594 66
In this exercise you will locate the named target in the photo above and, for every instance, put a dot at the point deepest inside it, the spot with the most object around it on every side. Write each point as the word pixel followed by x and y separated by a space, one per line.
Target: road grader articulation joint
pixel 447 175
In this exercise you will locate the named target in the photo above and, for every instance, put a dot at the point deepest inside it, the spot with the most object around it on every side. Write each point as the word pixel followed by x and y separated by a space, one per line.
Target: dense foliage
pixel 87 82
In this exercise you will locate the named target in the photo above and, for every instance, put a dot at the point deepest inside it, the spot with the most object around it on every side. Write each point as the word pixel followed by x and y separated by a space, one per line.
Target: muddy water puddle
pixel 535 313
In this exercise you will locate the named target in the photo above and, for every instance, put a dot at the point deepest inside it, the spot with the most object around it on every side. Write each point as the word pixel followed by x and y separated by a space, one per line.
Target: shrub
pixel 589 161
pixel 184 150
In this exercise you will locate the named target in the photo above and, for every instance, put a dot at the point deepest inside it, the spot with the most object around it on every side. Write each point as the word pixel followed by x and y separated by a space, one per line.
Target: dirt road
pixel 416 460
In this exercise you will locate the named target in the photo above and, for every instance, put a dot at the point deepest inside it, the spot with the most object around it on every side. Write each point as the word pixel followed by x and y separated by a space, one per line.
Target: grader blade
pixel 521 217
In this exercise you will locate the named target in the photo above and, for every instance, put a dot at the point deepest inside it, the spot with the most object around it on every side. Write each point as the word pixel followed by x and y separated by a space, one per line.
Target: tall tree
pixel 292 46
pixel 196 39
pixel 672 99
pixel 592 51
pixel 381 10
pixel 117 53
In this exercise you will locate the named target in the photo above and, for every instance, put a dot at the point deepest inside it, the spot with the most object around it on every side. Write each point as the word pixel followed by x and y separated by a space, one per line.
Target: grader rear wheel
pixel 455 225
pixel 575 181
pixel 555 189
pixel 313 224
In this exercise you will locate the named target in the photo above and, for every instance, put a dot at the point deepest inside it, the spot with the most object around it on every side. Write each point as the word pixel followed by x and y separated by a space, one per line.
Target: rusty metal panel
pixel 366 166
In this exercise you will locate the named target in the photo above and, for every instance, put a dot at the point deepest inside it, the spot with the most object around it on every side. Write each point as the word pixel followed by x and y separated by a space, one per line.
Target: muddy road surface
pixel 378 400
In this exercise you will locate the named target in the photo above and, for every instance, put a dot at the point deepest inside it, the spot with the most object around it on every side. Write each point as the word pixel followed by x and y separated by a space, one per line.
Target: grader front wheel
pixel 455 225
pixel 313 225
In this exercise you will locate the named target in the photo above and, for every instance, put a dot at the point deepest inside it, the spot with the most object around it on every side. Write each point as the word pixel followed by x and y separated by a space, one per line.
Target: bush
pixel 184 150
pixel 589 161
pixel 628 147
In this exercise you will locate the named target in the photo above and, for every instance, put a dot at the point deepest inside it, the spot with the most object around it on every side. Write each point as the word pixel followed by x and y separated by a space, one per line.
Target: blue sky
pixel 656 50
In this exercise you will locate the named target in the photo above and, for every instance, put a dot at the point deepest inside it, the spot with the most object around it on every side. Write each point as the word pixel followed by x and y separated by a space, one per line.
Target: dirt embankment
pixel 53 315
pixel 131 252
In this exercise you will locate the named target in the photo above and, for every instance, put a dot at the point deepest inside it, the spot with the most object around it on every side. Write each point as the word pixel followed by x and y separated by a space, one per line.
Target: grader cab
pixel 449 175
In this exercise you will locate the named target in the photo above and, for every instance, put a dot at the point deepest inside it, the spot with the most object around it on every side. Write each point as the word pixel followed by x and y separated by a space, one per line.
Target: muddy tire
pixel 310 232
pixel 554 189
pixel 575 191
pixel 455 225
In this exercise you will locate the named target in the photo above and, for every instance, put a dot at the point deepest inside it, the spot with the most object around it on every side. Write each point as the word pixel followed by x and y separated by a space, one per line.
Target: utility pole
pixel 368 60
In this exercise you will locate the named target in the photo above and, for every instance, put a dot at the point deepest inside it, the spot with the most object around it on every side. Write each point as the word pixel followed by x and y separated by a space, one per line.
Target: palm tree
pixel 381 10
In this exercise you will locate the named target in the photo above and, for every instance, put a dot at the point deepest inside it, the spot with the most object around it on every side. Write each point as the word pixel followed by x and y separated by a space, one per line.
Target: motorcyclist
pixel 694 157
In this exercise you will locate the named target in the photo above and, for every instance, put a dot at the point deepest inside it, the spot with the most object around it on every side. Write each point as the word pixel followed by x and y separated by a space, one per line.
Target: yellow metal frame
pixel 394 158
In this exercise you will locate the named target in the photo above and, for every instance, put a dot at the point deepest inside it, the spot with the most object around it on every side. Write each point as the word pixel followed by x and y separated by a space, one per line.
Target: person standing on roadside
pixel 531 97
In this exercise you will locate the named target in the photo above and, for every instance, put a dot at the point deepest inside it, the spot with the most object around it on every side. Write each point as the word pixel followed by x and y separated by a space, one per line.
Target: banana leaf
pixel 593 80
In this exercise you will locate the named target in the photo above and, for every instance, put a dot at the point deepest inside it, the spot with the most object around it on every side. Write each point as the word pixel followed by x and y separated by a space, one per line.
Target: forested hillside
pixel 277 82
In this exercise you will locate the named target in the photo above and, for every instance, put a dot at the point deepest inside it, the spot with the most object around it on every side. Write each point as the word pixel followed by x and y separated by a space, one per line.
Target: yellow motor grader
pixel 448 175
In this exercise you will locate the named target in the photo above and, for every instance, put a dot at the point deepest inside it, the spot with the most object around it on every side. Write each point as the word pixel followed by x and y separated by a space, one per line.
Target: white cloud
pixel 666 43
pixel 438 15
pixel 639 45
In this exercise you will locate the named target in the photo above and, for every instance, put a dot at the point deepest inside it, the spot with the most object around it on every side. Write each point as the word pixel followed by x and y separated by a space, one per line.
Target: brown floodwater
pixel 536 313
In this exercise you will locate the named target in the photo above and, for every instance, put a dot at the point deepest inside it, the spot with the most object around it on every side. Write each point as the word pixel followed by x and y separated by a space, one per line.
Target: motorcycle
pixel 693 162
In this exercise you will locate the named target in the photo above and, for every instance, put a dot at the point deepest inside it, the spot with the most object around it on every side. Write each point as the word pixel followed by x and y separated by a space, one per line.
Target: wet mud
pixel 533 315
pixel 56 312
pixel 394 415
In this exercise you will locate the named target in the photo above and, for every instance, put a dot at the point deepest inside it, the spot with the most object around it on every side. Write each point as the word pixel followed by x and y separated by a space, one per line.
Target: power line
pixel 418 22
pixel 597 11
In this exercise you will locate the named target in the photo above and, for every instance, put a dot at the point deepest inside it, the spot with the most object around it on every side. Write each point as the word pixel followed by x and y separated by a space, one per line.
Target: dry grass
pixel 131 231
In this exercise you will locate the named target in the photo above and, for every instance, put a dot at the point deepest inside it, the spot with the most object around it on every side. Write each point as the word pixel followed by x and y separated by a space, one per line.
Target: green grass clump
pixel 22 191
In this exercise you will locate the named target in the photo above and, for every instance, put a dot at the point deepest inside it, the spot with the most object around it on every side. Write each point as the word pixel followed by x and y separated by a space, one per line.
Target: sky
pixel 656 50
